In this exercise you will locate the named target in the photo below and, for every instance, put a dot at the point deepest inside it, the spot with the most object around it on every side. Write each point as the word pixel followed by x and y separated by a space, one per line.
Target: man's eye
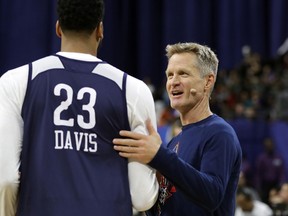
pixel 183 74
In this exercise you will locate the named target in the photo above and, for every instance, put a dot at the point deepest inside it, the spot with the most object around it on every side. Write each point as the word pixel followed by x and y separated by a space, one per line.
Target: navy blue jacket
pixel 200 169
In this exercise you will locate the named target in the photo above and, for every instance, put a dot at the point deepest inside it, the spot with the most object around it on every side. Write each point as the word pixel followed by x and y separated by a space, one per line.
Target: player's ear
pixel 58 29
pixel 100 31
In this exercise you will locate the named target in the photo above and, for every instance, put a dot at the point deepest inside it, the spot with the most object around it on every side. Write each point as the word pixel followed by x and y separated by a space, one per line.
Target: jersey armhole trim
pixel 27 88
pixel 124 83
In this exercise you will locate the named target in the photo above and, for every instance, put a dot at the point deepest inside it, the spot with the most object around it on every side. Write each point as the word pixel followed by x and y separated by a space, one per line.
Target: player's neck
pixel 79 46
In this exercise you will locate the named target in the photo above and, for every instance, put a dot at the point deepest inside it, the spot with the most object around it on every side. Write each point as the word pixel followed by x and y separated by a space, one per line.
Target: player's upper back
pixel 77 95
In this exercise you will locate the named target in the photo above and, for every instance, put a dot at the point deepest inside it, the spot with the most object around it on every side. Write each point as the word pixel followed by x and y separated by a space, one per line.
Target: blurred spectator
pixel 270 171
pixel 279 200
pixel 242 183
pixel 248 206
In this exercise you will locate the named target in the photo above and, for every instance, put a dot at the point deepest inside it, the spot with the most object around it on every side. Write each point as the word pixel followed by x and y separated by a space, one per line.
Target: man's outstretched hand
pixel 139 147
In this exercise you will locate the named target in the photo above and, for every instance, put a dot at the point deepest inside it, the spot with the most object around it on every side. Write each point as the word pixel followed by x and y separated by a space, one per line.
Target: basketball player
pixel 58 117
pixel 200 167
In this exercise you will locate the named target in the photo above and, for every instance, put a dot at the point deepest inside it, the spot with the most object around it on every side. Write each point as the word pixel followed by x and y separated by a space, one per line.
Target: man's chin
pixel 174 105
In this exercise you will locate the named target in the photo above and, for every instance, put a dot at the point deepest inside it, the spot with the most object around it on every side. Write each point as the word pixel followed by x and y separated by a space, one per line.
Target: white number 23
pixel 64 105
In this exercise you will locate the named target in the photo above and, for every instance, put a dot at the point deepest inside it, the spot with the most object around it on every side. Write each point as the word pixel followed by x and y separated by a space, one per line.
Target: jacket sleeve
pixel 207 185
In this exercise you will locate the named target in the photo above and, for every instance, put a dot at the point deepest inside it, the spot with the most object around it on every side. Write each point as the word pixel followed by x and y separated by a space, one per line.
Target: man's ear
pixel 58 29
pixel 100 31
pixel 210 80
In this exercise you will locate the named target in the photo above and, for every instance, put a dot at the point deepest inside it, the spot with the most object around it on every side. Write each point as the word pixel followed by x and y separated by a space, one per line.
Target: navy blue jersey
pixel 200 169
pixel 72 111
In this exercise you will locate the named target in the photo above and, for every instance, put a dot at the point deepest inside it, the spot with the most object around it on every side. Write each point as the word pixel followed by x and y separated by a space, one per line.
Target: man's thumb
pixel 149 126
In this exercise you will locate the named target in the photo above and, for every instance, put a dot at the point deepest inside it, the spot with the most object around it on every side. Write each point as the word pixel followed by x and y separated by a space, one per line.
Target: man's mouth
pixel 176 93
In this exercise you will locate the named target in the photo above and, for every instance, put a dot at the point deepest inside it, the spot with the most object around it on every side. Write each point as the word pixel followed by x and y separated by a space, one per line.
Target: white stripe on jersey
pixel 109 72
pixel 45 64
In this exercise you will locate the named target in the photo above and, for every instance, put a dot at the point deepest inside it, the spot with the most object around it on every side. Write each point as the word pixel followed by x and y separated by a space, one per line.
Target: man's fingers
pixel 125 149
pixel 124 142
pixel 123 154
pixel 130 134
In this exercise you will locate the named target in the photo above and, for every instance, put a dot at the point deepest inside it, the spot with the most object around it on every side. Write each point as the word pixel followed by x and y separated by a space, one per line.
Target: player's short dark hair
pixel 80 15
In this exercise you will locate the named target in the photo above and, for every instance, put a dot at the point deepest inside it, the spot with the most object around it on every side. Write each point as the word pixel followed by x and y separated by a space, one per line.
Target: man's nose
pixel 175 80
